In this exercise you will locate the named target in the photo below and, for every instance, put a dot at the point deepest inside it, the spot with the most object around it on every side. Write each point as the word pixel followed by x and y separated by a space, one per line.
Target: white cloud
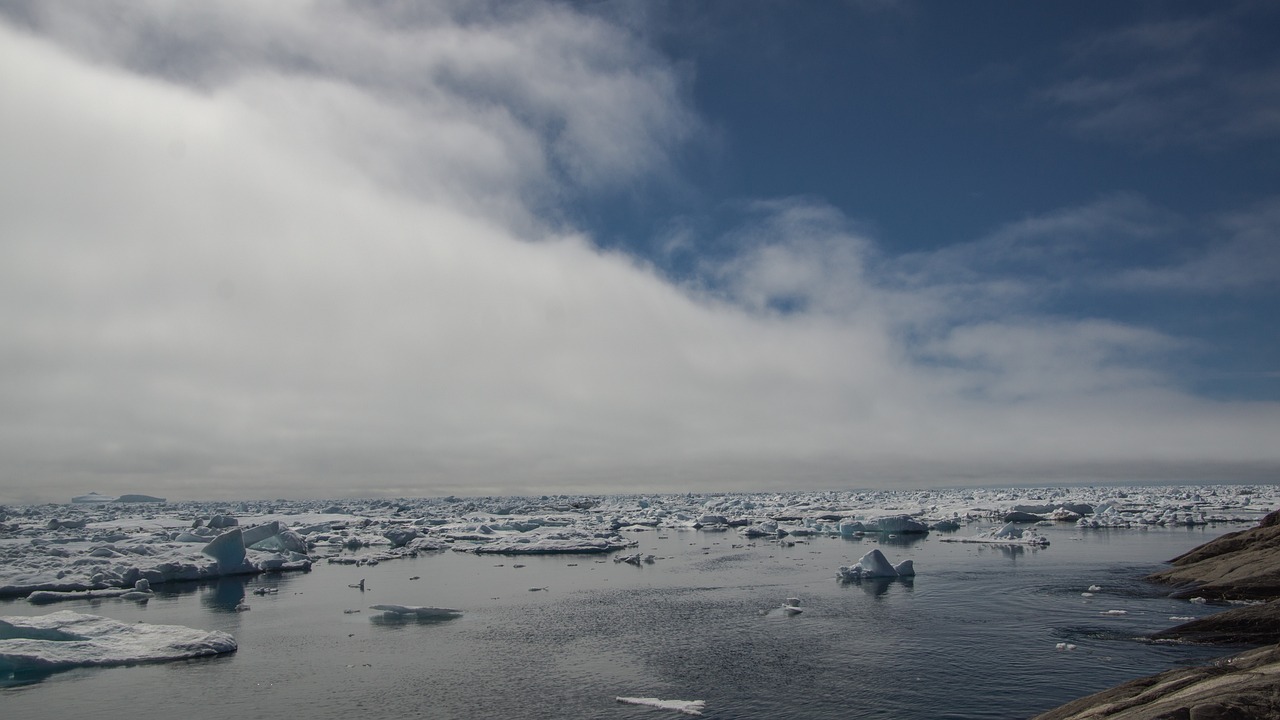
pixel 321 257
pixel 1243 257
pixel 1172 81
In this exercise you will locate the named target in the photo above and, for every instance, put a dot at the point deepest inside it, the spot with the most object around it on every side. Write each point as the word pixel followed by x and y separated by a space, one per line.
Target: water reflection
pixel 877 587
pixel 905 540
pixel 895 540
pixel 227 595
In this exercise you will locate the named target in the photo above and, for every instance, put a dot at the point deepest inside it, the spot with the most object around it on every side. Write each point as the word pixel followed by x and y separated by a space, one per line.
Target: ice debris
pixel 688 707
pixel 66 639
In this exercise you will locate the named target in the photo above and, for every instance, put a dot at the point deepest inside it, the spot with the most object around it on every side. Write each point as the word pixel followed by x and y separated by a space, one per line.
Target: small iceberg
pixel 65 639
pixel 688 707
pixel 875 565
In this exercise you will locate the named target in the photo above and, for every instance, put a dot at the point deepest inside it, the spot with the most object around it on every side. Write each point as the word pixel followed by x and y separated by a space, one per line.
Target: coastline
pixel 1238 566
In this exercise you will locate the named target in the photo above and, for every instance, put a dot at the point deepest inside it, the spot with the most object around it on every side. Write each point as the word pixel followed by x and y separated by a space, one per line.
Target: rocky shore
pixel 1237 566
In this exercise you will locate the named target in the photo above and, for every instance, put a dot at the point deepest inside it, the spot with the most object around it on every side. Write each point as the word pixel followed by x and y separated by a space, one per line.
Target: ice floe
pixel 65 639
pixel 688 707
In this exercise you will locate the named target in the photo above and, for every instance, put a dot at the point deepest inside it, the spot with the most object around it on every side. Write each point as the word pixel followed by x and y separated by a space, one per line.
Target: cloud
pixel 323 256
pixel 1243 257
pixel 1204 81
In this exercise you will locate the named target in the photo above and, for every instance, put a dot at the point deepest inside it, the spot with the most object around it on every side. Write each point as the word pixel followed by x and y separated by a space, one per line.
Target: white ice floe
pixel 1115 613
pixel 1064 646
pixel 688 707
pixel 875 565
pixel 66 639
pixel 1199 600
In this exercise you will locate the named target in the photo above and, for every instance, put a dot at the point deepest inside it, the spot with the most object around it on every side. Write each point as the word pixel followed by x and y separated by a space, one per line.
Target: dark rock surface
pixel 1242 687
pixel 1240 626
pixel 1241 565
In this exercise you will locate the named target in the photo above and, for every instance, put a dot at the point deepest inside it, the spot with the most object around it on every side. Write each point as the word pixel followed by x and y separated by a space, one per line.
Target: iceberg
pixel 65 639
pixel 875 565
pixel 688 707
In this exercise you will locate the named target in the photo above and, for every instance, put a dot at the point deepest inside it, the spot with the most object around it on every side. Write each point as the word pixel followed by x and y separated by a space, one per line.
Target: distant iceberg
pixel 92 498
pixel 65 639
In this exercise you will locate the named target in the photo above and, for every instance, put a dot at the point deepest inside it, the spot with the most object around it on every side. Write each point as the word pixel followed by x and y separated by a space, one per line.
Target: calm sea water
pixel 972 637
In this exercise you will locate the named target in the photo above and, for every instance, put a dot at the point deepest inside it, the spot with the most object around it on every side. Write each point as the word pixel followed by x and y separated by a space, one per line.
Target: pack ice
pixel 65 639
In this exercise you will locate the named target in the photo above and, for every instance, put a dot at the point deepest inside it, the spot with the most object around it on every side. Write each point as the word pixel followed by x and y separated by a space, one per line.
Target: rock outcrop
pixel 1236 688
pixel 1241 565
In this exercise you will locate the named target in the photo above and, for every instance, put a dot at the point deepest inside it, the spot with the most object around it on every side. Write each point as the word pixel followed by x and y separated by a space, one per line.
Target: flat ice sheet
pixel 66 639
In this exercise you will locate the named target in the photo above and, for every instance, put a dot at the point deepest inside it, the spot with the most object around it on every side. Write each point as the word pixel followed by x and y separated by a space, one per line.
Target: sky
pixel 331 249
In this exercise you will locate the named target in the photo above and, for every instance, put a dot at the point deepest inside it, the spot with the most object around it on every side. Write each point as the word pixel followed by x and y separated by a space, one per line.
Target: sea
pixel 980 632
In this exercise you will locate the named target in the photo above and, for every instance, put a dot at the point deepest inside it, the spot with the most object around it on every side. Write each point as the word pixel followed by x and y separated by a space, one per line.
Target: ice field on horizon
pixel 117 558
pixel 104 546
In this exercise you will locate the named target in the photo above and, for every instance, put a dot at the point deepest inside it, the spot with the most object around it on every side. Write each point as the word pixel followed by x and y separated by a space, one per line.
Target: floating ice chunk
pixel 688 707
pixel 898 524
pixel 228 550
pixel 875 565
pixel 1199 600
pixel 1086 594
pixel 1114 612
pixel 66 639
pixel 763 529
pixel 1181 618
pixel 1095 588
pixel 1065 646
pixel 850 528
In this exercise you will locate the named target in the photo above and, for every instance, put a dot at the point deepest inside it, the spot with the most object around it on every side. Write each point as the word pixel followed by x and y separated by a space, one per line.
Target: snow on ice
pixel 65 639
pixel 104 548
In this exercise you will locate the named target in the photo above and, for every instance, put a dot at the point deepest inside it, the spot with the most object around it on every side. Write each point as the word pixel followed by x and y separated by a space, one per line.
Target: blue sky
pixel 930 125
pixel 323 248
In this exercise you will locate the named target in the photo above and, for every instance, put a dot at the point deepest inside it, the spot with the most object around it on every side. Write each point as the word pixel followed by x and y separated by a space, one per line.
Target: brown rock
pixel 1239 626
pixel 1242 565
pixel 1244 686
